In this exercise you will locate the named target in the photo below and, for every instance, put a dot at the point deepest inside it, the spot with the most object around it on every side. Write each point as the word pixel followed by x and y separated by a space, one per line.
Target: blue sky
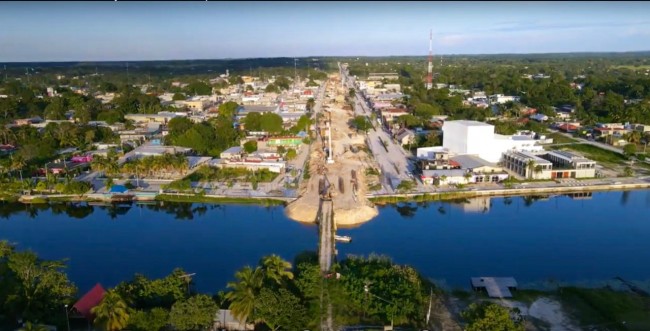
pixel 96 31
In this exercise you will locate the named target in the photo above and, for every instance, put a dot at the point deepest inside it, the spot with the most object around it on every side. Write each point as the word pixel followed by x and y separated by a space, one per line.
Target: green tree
pixel 425 111
pixel 228 109
pixel 56 109
pixel 196 313
pixel 409 120
pixel 361 123
pixel 112 313
pixel 405 186
pixel 304 122
pixel 629 149
pixel 490 316
pixel 152 320
pixel 82 115
pixel 179 125
pixel 280 310
pixel 291 154
pixel 250 146
pixel 40 286
pixel 271 123
pixel 244 292
pixel 198 88
pixel 253 121
pixel 310 104
pixel 179 96
pixel 271 88
pixel 276 269
pixel 352 93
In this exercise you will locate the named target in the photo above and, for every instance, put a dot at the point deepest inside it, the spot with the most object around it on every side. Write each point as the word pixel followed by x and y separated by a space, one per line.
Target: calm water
pixel 568 240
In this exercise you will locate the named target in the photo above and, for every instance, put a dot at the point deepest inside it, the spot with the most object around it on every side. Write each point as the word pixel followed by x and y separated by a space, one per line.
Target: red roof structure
pixel 89 301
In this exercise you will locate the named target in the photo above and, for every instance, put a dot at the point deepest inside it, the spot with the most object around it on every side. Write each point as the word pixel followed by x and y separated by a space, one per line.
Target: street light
pixel 367 290
pixel 67 319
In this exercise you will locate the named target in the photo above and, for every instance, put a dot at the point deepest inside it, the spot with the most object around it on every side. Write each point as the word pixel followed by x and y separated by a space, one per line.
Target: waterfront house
pixel 82 309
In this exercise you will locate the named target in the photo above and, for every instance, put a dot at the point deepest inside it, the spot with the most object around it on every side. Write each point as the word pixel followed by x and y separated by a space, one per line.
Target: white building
pixel 478 138
pixel 500 98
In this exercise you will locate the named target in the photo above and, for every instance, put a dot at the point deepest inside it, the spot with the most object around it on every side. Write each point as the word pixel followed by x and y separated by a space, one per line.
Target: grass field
pixel 597 154
pixel 559 138
pixel 204 199
pixel 607 308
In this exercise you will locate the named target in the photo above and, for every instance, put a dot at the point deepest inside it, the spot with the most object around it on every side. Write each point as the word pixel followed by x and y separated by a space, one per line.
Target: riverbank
pixel 474 193
pixel 187 198
pixel 311 210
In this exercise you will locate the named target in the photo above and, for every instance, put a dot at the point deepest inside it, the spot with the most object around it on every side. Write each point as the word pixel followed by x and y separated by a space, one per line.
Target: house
pixel 7 149
pixel 292 141
pixel 500 98
pixel 445 177
pixel 391 114
pixel 152 148
pixel 405 137
pixel 642 128
pixel 567 127
pixel 242 111
pixel 252 163
pixel 539 117
pixel 161 117
pixel 227 321
pixel 232 153
pixel 83 307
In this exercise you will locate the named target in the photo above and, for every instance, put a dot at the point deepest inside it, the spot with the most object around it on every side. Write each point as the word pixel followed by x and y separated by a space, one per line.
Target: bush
pixel 250 146
pixel 291 154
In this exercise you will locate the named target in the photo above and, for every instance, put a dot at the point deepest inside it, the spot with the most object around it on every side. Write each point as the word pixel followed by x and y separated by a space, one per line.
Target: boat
pixel 344 239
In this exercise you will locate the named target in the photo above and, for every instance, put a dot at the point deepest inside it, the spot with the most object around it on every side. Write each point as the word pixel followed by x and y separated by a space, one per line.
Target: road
pixel 393 160
pixel 590 142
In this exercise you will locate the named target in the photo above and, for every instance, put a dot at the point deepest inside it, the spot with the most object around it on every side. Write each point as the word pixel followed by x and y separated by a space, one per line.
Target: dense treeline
pixel 274 294
pixel 605 81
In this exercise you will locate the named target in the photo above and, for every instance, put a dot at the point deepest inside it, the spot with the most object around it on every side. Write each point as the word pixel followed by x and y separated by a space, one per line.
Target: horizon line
pixel 331 56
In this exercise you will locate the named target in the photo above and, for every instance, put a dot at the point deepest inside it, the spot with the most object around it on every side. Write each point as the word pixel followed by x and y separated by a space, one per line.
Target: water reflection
pixel 81 210
pixel 625 197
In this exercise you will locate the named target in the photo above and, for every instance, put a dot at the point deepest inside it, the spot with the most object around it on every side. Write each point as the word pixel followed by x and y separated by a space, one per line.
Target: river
pixel 560 238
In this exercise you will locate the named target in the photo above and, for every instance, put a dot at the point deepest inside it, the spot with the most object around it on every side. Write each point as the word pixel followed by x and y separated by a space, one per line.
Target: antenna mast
pixel 430 67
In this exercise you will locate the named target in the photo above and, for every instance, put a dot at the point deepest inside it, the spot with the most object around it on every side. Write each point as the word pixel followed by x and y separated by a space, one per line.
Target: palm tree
pixel 7 134
pixel 18 163
pixel 633 137
pixel 467 176
pixel 275 268
pixel 530 166
pixel 244 292
pixel 112 314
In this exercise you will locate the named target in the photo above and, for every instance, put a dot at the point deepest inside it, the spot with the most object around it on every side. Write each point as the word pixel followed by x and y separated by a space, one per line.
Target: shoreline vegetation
pixel 279 294
pixel 378 200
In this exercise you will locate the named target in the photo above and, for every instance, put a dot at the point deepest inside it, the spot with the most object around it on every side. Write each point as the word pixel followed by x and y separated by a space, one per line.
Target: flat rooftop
pixel 497 287
pixel 469 123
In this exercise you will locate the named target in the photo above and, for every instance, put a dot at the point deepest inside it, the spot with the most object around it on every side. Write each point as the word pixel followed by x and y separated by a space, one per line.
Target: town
pixel 195 166
pixel 248 137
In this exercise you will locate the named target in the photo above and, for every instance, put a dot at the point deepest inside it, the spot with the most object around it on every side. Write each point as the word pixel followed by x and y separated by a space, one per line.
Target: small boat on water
pixel 344 239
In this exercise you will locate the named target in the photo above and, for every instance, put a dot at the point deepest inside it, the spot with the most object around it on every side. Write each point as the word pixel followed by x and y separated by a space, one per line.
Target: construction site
pixel 337 164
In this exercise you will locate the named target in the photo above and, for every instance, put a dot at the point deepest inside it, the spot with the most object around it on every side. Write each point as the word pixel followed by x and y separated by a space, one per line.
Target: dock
pixel 496 287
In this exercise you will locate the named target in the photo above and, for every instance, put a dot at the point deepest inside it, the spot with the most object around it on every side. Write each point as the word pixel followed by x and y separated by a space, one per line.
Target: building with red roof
pixel 87 302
